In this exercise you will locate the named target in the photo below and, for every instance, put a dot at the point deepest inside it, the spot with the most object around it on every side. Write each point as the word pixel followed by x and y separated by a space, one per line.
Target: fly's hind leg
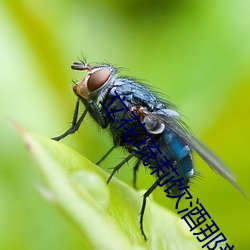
pixel 145 196
pixel 135 169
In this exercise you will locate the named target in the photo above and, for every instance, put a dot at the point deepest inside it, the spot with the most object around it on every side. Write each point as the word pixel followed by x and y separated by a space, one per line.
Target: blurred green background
pixel 195 52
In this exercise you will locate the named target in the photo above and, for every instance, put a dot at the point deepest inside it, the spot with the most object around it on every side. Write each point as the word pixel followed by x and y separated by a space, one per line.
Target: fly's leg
pixel 136 166
pixel 145 196
pixel 75 124
pixel 101 119
pixel 116 168
pixel 105 155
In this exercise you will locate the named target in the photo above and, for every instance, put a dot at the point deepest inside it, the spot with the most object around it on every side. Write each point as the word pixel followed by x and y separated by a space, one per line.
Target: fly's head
pixel 96 79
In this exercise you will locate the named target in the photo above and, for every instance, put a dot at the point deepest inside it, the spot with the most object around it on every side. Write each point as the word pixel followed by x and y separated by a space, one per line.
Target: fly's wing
pixel 175 124
pixel 212 160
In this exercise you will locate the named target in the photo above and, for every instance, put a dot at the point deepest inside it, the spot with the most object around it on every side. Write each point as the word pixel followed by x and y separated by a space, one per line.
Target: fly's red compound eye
pixel 97 79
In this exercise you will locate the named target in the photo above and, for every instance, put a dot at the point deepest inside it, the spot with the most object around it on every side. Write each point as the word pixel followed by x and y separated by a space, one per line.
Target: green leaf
pixel 106 215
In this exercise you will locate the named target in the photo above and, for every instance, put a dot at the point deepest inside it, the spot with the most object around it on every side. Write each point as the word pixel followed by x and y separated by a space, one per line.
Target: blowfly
pixel 147 126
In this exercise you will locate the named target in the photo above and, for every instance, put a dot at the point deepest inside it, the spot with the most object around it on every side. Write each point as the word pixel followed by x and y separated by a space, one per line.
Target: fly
pixel 102 92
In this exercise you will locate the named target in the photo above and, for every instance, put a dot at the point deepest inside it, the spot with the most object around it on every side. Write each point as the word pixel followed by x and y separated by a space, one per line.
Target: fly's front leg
pixel 75 123
pixel 100 117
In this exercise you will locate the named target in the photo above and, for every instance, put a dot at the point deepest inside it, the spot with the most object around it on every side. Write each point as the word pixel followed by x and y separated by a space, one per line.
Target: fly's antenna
pixel 80 66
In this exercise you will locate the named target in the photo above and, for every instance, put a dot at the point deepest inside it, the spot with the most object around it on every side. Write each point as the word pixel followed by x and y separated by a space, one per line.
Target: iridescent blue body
pixel 101 91
pixel 144 103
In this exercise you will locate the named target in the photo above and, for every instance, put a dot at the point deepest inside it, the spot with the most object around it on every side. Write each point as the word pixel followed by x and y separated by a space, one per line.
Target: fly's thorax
pixel 93 85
